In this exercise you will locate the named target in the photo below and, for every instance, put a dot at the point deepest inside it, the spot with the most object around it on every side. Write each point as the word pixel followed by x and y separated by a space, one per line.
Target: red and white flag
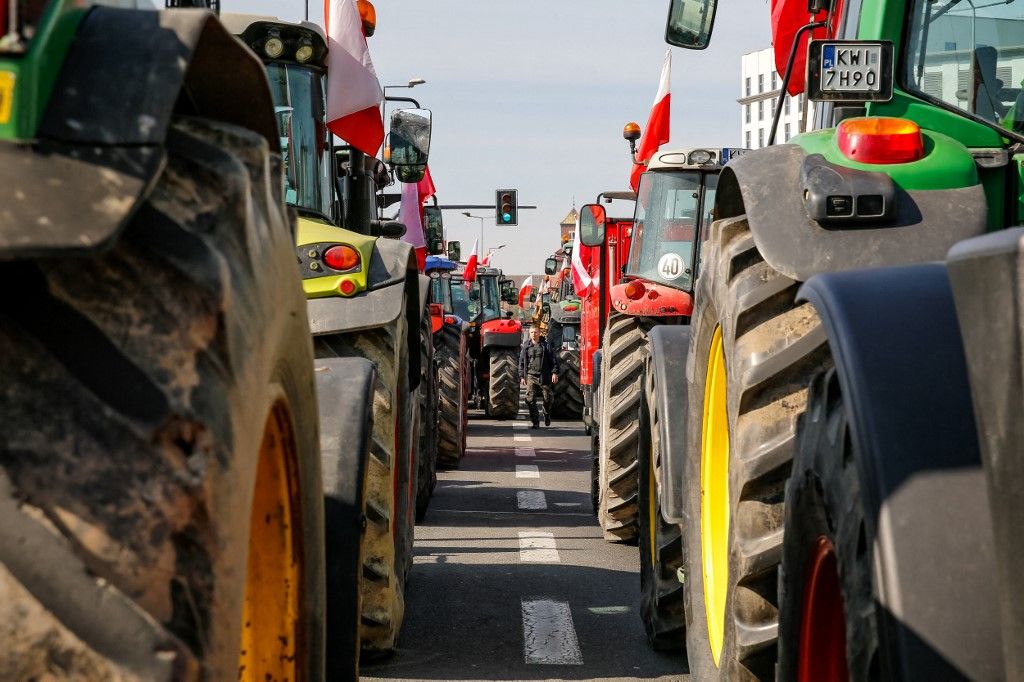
pixel 353 91
pixel 410 214
pixel 486 262
pixel 657 131
pixel 426 185
pixel 525 289
pixel 582 259
pixel 470 274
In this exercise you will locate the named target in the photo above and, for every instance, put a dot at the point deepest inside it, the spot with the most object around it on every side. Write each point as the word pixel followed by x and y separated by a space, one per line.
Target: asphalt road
pixel 512 580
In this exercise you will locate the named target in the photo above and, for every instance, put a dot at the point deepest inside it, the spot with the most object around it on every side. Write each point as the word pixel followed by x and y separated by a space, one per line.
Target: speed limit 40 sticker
pixel 671 266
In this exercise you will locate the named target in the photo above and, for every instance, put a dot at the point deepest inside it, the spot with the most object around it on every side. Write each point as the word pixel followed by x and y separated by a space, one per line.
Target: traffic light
pixel 506 204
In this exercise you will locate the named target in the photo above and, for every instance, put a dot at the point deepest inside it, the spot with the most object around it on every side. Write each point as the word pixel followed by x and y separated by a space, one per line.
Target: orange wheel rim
pixel 272 645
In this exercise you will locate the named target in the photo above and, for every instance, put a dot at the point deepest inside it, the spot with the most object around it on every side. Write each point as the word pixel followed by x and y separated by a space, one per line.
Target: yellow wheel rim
pixel 652 509
pixel 272 642
pixel 714 496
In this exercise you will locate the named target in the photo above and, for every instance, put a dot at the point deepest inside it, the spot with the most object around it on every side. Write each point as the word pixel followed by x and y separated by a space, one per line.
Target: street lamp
pixel 481 218
pixel 413 82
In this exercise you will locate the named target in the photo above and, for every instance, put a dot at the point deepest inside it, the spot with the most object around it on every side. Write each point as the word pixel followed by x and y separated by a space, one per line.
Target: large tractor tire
pixel 568 397
pixel 387 542
pixel 622 374
pixel 452 404
pixel 426 457
pixel 754 353
pixel 161 509
pixel 503 387
pixel 826 527
pixel 661 544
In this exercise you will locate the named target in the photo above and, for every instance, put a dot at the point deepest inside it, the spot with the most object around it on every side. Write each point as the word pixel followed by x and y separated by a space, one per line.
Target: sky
pixel 533 95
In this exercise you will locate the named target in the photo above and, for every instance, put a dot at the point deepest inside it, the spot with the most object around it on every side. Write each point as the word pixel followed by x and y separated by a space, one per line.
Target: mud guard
pixel 987 274
pixel 100 141
pixel 345 394
pixel 766 187
pixel 668 346
pixel 897 349
pixel 501 334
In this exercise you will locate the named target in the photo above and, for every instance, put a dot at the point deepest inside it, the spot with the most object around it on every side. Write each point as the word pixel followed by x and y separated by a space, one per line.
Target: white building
pixel 760 87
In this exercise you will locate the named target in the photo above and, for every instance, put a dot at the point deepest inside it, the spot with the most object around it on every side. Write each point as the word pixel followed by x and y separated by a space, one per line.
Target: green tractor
pixel 563 331
pixel 160 471
pixel 839 446
pixel 365 300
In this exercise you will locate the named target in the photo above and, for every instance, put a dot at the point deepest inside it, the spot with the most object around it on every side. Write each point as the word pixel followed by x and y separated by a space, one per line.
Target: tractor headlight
pixel 700 157
pixel 305 52
pixel 274 47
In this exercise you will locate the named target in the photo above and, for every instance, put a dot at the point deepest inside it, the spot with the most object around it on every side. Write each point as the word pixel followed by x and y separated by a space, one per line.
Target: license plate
pixel 853 67
pixel 6 96
pixel 850 70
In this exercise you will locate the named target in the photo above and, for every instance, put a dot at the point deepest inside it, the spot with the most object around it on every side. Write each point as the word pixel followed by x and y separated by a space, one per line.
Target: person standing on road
pixel 538 370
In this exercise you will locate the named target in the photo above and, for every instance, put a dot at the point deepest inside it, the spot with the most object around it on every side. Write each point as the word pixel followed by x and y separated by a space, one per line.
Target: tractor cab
pixel 673 211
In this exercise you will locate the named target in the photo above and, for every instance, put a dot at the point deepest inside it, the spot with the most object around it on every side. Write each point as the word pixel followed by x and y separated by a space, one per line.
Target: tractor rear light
pixel 341 257
pixel 346 287
pixel 449 319
pixel 436 310
pixel 652 294
pixel 570 308
pixel 635 290
pixel 880 139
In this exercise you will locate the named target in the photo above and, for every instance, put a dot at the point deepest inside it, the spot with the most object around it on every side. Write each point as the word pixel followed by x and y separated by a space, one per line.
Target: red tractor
pixel 673 210
pixel 451 360
pixel 494 340
pixel 604 270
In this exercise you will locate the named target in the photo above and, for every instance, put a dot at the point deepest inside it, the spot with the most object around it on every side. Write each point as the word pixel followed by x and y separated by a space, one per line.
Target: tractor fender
pixel 100 142
pixel 345 394
pixel 501 333
pixel 424 291
pixel 986 274
pixel 668 346
pixel 896 344
pixel 765 185
pixel 595 386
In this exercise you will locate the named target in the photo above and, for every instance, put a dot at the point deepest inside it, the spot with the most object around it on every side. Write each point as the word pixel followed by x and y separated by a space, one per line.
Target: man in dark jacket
pixel 538 369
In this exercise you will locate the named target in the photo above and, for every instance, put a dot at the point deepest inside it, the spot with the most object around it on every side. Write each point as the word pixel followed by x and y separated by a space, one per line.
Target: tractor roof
pixel 694 158
pixel 237 23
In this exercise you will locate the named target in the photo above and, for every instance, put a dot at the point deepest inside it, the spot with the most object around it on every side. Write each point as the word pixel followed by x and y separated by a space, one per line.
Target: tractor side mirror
pixel 533 298
pixel 433 225
pixel 455 251
pixel 592 219
pixel 690 23
pixel 550 266
pixel 508 292
pixel 409 143
pixel 567 249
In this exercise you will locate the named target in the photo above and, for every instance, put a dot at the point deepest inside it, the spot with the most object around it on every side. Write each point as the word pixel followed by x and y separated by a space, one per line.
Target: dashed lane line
pixel 527 471
pixel 531 500
pixel 549 636
pixel 538 547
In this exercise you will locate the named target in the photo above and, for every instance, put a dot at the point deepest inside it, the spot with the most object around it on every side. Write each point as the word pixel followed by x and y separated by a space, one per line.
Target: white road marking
pixel 549 637
pixel 525 452
pixel 520 425
pixel 527 471
pixel 538 547
pixel 525 438
pixel 531 499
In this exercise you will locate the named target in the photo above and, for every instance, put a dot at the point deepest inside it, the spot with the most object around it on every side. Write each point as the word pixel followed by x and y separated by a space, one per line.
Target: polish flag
pixel 426 185
pixel 486 262
pixel 409 214
pixel 353 91
pixel 582 259
pixel 525 289
pixel 657 131
pixel 470 274
pixel 787 19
